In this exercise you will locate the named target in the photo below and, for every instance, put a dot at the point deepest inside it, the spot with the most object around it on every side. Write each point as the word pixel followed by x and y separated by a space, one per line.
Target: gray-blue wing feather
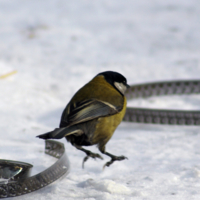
pixel 87 110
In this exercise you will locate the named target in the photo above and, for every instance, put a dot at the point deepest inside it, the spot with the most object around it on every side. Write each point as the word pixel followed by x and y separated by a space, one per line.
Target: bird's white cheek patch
pixel 120 86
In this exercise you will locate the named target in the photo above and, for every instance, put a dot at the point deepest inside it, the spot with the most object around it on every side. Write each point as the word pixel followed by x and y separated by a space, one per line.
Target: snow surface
pixel 56 46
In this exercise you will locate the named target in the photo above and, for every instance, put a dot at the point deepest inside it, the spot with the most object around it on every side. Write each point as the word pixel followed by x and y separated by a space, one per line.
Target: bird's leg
pixel 89 154
pixel 113 159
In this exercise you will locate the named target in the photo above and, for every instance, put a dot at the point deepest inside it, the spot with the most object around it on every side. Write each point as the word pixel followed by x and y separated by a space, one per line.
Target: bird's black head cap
pixel 112 77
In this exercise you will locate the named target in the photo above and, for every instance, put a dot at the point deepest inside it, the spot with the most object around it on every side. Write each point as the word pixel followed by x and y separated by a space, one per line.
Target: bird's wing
pixel 87 110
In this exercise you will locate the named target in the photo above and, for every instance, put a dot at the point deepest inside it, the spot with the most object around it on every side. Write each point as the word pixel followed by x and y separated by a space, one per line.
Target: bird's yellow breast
pixel 106 127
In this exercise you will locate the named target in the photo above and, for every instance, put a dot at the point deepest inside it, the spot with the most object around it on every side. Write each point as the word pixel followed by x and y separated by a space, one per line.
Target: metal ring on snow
pixel 14 170
pixel 19 183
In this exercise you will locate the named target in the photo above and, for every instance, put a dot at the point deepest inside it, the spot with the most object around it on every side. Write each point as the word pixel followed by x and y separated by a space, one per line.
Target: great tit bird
pixel 93 114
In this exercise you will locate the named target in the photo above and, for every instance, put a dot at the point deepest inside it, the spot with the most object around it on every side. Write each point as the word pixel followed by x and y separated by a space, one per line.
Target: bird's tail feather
pixel 59 133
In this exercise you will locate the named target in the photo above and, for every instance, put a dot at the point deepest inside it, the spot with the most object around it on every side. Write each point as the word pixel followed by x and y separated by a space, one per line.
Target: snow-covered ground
pixel 56 46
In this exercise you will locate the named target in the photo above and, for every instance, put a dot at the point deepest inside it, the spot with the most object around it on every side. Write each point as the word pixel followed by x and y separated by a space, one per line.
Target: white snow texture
pixel 56 46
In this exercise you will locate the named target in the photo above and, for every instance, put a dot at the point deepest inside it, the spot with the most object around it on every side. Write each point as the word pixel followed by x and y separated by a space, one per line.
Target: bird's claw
pixel 113 159
pixel 92 155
